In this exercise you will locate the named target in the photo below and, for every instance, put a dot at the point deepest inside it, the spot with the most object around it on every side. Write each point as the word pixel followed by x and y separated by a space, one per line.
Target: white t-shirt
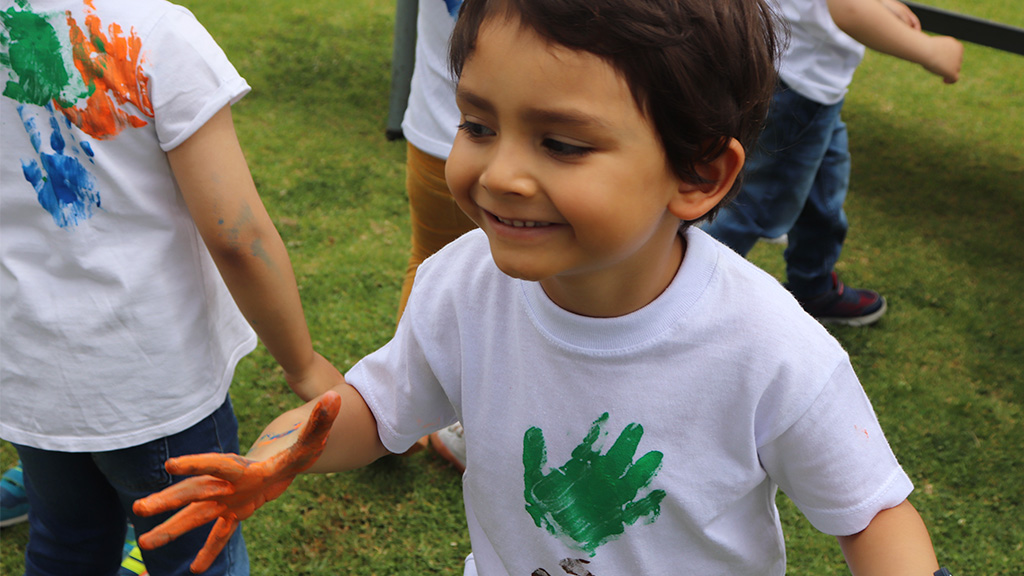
pixel 820 59
pixel 117 327
pixel 651 443
pixel 431 116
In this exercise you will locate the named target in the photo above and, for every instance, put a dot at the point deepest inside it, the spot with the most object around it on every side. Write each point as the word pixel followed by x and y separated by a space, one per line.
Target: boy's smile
pixel 557 164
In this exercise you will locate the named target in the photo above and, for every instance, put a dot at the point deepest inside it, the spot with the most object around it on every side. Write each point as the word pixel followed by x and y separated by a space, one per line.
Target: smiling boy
pixel 633 392
pixel 567 178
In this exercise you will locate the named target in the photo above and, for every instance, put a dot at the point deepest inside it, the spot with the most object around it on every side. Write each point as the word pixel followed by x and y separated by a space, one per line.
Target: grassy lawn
pixel 936 207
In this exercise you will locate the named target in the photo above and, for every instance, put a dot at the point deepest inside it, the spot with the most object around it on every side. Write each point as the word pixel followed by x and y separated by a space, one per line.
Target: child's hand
pixel 233 487
pixel 320 377
pixel 945 58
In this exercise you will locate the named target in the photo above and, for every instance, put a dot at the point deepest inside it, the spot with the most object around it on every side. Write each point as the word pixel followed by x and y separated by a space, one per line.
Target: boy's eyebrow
pixel 474 100
pixel 566 117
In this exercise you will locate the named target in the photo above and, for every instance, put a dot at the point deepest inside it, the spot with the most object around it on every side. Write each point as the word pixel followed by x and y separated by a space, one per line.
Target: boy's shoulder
pixel 458 264
pixel 470 248
pixel 743 293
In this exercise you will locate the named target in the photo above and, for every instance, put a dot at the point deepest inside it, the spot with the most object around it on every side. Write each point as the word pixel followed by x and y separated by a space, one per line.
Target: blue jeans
pixel 794 183
pixel 80 503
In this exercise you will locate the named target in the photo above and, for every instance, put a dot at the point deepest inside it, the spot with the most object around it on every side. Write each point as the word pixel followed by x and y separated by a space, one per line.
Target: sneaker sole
pixel 13 521
pixel 858 321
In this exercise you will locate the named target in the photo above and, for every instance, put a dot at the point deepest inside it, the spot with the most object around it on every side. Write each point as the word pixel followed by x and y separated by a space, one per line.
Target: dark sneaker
pixel 13 500
pixel 845 305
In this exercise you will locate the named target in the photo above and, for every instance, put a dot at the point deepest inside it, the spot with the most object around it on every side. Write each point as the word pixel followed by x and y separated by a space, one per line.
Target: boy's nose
pixel 508 172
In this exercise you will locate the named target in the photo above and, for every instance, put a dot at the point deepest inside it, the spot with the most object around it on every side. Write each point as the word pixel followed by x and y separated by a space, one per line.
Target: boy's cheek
pixel 459 176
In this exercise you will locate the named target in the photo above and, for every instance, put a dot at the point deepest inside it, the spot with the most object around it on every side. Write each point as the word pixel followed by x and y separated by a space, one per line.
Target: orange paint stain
pixel 111 66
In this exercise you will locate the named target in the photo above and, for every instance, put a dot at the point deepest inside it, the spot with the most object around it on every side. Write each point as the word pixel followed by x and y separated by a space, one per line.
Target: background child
pixel 633 392
pixel 796 178
pixel 135 248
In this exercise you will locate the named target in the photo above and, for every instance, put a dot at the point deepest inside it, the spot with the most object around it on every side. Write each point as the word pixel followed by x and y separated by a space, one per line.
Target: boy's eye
pixel 474 130
pixel 559 148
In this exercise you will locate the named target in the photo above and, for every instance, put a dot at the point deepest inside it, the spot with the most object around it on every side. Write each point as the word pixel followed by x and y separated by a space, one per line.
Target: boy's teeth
pixel 521 223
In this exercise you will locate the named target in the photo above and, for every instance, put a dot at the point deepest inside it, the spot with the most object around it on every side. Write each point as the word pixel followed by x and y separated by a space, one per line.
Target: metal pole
pixel 970 29
pixel 403 57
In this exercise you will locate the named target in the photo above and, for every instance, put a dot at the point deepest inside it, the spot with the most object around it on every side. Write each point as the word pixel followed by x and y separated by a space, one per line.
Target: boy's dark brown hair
pixel 703 71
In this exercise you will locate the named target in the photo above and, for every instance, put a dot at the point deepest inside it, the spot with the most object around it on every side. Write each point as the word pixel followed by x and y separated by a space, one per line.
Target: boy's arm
pixel 888 29
pixel 218 189
pixel 352 443
pixel 895 543
pixel 337 432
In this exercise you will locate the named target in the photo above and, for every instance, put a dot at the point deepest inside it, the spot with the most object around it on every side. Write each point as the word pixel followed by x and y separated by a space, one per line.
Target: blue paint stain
pixel 85 146
pixel 56 138
pixel 63 186
pixel 453 7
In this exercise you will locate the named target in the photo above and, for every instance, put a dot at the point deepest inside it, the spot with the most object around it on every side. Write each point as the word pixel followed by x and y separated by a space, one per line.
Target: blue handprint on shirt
pixel 63 185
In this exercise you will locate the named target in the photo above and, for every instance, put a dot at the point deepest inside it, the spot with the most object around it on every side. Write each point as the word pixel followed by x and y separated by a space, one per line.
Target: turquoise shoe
pixel 13 500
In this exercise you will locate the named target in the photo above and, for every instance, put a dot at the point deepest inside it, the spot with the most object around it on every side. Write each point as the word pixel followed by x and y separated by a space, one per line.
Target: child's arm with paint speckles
pixel 220 194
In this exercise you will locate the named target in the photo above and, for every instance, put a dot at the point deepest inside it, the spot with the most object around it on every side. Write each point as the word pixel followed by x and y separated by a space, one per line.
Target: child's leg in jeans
pixel 779 173
pixel 139 471
pixel 816 239
pixel 76 521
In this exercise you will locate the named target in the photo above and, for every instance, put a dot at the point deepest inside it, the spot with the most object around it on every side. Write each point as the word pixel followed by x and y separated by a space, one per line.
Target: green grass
pixel 935 205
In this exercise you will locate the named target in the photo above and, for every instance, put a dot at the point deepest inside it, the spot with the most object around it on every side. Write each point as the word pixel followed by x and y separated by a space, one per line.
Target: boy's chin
pixel 520 270
pixel 520 273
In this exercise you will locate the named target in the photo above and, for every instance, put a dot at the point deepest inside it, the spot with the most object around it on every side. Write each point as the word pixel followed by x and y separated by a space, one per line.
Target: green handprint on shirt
pixel 593 497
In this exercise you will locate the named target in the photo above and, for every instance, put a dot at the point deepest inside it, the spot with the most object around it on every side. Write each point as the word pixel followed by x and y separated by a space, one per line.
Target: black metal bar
pixel 403 58
pixel 969 28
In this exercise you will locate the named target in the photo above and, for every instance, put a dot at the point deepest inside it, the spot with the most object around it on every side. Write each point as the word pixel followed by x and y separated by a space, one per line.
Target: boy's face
pixel 557 164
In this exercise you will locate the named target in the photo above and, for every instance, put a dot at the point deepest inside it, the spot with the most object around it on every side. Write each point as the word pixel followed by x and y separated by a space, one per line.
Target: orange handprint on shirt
pixel 111 66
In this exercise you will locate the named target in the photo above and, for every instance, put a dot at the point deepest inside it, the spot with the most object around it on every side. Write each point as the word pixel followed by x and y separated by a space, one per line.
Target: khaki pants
pixel 434 217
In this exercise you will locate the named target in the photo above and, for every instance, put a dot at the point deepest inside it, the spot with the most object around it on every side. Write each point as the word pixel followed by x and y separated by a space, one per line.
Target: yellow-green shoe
pixel 132 564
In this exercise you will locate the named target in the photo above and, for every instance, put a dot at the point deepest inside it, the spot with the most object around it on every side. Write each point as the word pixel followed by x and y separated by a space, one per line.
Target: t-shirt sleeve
pixel 402 391
pixel 412 384
pixel 835 463
pixel 190 77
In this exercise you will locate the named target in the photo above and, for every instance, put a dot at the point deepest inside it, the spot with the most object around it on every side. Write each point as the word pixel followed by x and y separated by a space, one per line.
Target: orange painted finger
pixel 192 517
pixel 311 440
pixel 215 543
pixel 185 492
pixel 324 413
pixel 227 466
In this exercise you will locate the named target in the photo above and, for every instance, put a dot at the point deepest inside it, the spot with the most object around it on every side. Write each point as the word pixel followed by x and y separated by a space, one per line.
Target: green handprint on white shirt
pixel 593 497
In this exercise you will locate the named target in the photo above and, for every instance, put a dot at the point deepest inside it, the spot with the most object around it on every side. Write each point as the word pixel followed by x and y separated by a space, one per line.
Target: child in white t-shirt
pixel 633 392
pixel 136 254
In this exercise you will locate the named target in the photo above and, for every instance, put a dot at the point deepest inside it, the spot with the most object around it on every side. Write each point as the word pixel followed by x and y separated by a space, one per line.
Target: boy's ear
pixel 695 200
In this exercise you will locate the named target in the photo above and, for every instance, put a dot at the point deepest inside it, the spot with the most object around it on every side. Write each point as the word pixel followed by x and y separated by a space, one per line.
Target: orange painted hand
pixel 229 488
